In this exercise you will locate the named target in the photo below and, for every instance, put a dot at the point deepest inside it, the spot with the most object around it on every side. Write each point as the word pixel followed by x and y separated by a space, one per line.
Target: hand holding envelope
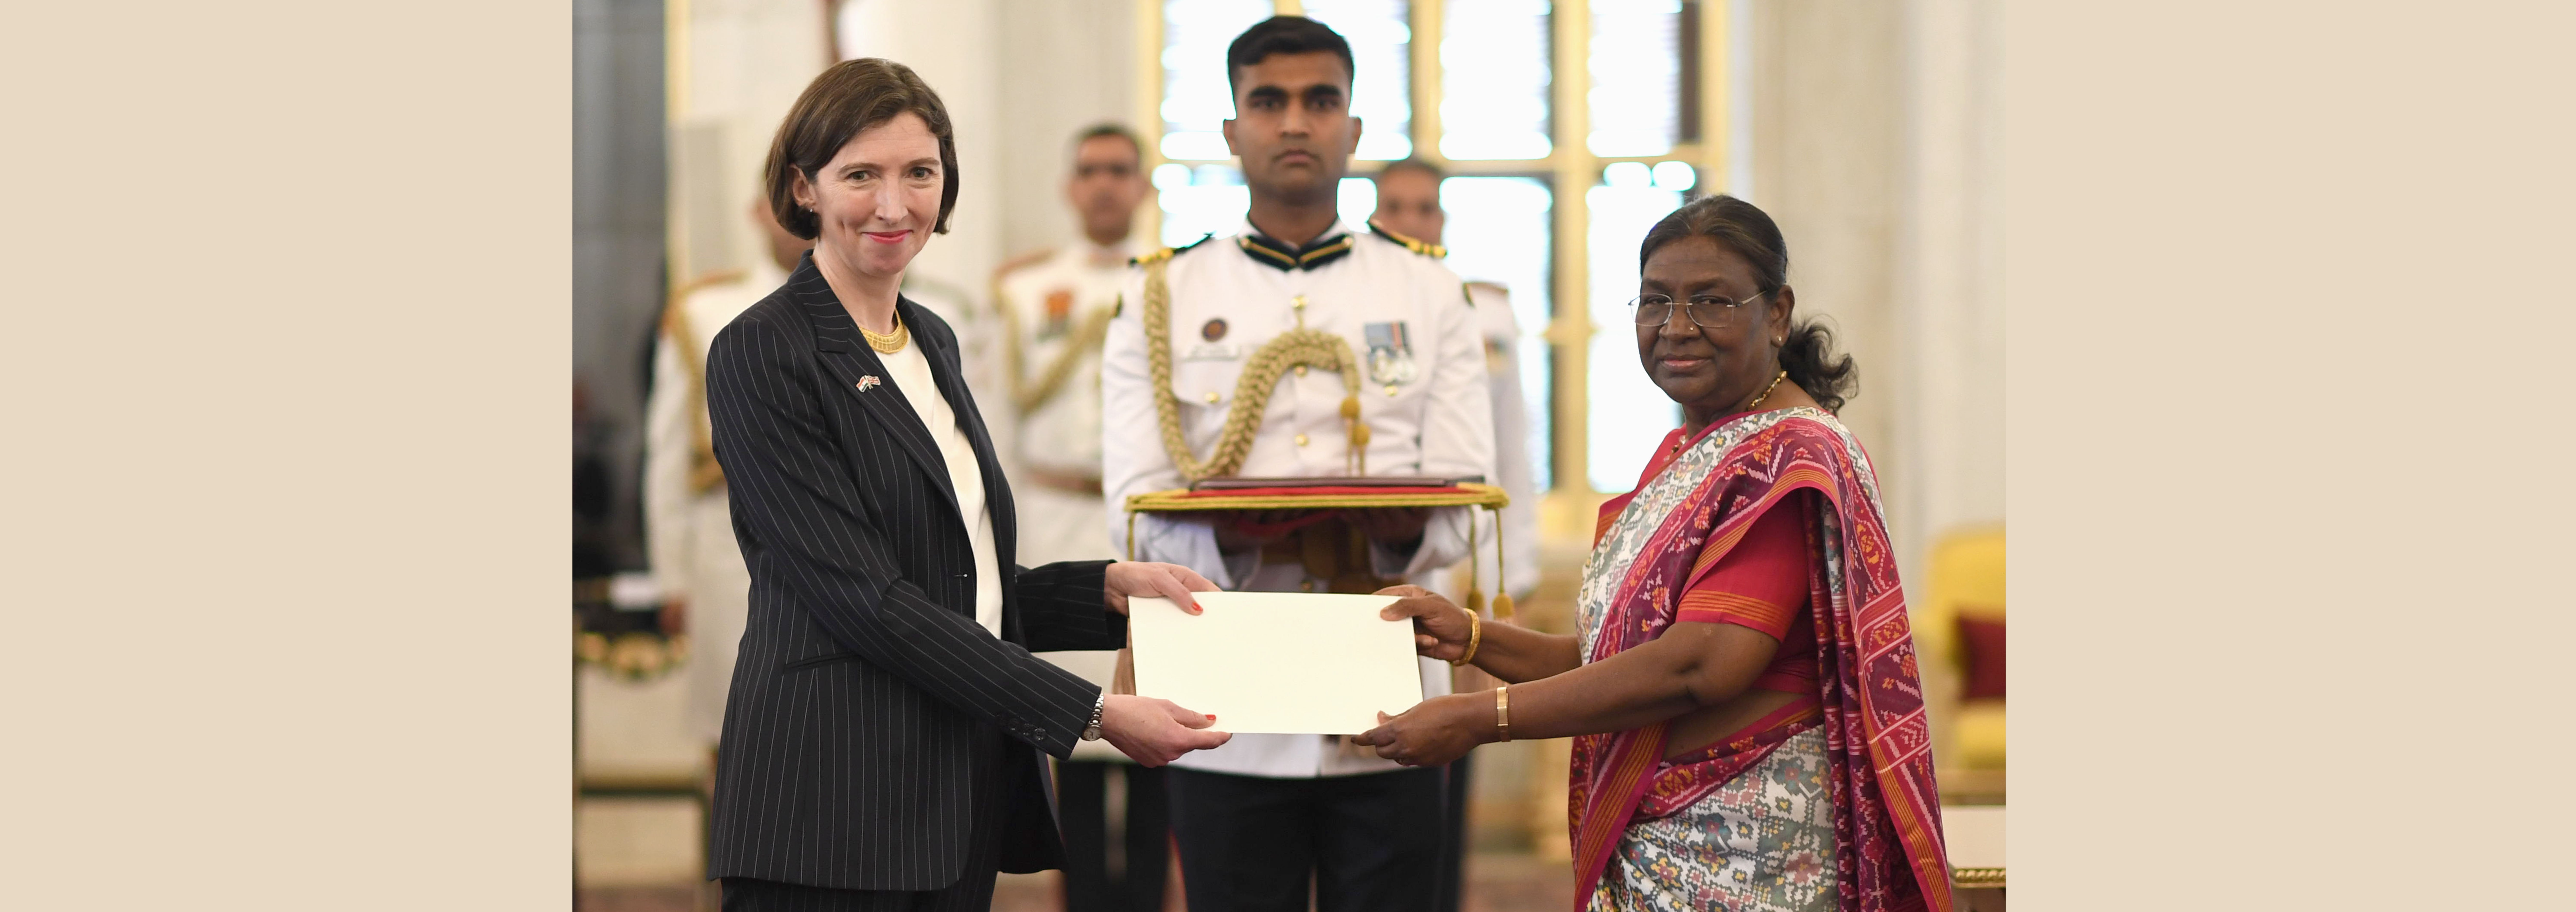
pixel 1154 731
pixel 1278 662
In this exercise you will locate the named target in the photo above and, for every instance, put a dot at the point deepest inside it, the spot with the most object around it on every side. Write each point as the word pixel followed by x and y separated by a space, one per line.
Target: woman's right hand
pixel 1154 732
pixel 1440 627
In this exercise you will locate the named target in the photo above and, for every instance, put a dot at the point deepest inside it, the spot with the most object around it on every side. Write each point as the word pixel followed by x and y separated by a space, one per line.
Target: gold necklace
pixel 888 343
pixel 1766 391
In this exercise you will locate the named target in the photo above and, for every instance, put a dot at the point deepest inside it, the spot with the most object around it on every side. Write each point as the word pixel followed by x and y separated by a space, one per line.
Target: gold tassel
pixel 1358 432
pixel 1476 600
pixel 1502 606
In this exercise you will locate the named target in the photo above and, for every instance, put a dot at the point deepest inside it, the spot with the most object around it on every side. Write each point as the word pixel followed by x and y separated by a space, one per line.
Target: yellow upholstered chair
pixel 1961 625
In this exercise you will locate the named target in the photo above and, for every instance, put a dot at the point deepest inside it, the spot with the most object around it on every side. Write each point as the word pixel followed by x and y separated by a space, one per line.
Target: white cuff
pixel 1189 544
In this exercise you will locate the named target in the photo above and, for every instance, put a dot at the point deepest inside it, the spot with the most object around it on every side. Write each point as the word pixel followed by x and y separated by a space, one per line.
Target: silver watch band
pixel 1092 732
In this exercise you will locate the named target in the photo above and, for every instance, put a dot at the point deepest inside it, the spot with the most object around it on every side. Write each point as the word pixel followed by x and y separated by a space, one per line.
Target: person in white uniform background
pixel 1264 819
pixel 1408 203
pixel 688 527
pixel 1053 308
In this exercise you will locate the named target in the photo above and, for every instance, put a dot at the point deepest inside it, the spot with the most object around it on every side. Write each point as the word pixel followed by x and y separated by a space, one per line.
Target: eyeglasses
pixel 1711 311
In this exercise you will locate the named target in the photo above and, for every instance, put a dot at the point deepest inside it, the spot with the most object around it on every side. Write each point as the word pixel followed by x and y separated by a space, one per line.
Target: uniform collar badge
pixel 1278 255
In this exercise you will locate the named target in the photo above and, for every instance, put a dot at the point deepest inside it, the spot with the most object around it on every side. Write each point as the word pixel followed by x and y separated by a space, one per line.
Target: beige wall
pixel 1873 142
pixel 1018 81
pixel 745 61
pixel 1066 64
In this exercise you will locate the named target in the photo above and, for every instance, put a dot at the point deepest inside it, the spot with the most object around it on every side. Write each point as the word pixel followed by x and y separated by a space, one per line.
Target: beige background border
pixel 290 321
pixel 2287 453
pixel 287 349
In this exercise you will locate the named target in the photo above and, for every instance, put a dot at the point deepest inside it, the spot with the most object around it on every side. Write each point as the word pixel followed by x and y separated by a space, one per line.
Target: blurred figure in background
pixel 594 546
pixel 1053 307
pixel 1408 204
pixel 688 526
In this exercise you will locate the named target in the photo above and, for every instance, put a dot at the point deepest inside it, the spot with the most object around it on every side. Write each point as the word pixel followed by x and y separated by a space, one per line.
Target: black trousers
pixel 972 891
pixel 1453 837
pixel 1369 843
pixel 1082 801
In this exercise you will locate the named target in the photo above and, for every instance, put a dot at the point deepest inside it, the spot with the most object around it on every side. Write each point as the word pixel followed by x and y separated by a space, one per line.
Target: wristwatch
pixel 1091 732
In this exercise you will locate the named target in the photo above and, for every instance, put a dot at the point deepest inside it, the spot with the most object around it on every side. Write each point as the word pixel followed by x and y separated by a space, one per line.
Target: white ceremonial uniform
pixel 1433 419
pixel 1049 305
pixel 1048 302
pixel 688 524
pixel 1519 542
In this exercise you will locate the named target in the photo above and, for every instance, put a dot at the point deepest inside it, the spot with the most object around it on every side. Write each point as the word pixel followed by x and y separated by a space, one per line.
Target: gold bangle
pixel 1503 712
pixel 1475 635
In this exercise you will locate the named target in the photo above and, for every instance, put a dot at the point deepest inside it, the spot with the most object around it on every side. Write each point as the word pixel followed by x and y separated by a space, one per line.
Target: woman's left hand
pixel 1152 580
pixel 1435 731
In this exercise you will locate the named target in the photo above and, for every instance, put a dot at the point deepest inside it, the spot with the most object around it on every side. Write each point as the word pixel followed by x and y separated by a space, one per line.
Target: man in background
pixel 688 524
pixel 1054 306
pixel 1267 821
pixel 1408 203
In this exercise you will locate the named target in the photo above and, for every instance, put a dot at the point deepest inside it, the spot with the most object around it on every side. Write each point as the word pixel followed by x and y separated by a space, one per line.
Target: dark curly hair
pixel 1808 355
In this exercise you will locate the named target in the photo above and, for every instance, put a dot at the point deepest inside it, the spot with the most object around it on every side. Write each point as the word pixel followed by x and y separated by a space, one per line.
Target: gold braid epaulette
pixel 1430 250
pixel 704 473
pixel 1085 339
pixel 1252 388
pixel 1027 397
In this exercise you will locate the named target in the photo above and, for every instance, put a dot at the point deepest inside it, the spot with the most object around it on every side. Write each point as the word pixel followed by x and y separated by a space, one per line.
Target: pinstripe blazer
pixel 863 673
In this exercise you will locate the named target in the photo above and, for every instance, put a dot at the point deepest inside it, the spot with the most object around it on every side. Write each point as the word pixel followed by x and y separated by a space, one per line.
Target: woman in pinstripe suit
pixel 881 743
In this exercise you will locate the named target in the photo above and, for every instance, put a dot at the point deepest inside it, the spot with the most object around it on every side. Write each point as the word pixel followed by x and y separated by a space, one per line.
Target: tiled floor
pixel 1495 883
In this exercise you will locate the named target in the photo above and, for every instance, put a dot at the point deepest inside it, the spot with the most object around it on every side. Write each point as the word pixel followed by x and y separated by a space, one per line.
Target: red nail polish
pixel 1211 718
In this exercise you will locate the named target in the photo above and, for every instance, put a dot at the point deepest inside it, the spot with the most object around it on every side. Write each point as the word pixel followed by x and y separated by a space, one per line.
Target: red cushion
pixel 1982 642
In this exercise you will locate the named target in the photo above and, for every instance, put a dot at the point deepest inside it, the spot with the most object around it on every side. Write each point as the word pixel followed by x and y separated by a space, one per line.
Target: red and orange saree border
pixel 1886 806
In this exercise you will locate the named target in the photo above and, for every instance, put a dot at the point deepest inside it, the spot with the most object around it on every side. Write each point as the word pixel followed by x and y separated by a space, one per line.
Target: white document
pixel 1277 662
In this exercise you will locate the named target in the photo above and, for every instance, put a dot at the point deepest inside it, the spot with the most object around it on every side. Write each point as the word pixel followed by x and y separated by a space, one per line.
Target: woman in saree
pixel 1741 688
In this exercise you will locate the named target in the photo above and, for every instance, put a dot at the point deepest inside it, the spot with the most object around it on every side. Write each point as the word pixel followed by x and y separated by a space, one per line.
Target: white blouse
pixel 908 371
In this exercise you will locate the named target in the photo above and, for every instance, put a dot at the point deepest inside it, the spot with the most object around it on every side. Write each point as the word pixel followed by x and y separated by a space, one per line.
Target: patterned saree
pixel 1832 808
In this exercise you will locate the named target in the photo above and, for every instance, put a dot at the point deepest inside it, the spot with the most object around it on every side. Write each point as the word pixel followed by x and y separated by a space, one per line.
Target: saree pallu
pixel 1874 743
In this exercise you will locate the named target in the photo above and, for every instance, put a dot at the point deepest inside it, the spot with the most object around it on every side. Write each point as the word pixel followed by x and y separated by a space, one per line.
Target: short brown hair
pixel 1110 131
pixel 849 98
pixel 1423 165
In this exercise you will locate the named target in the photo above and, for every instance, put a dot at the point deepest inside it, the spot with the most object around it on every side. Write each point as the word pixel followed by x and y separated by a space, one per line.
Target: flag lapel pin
pixel 869 382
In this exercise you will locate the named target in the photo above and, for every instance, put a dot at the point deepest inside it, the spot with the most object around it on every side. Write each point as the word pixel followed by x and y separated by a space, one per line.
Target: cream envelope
pixel 1277 662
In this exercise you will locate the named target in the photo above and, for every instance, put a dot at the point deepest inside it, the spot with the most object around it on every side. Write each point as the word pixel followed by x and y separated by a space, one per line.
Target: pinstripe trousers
pixel 972 891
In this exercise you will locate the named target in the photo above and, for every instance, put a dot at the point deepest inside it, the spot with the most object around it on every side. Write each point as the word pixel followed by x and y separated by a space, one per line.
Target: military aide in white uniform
pixel 1266 821
pixel 1424 399
pixel 1058 306
pixel 688 525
